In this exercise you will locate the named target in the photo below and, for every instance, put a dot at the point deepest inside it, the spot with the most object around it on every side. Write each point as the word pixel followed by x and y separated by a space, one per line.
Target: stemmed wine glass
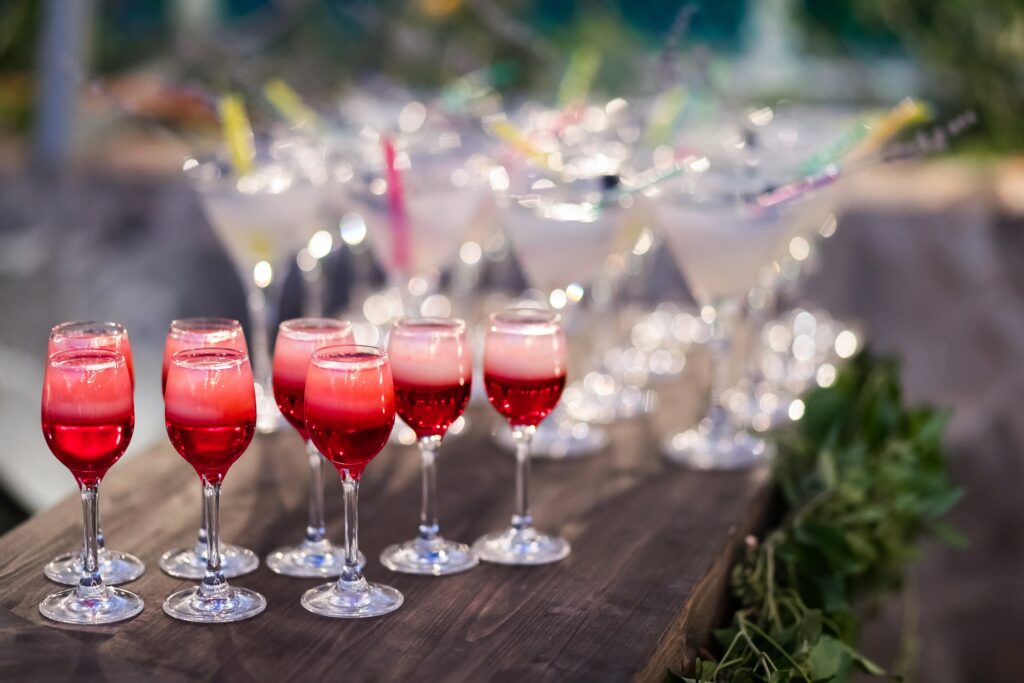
pixel 199 333
pixel 210 406
pixel 350 410
pixel 432 364
pixel 296 341
pixel 524 373
pixel 116 566
pixel 88 415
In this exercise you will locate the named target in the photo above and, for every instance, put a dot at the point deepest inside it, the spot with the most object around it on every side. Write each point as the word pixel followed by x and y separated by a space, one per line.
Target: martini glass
pixel 262 219
pixel 200 333
pixel 115 566
pixel 720 242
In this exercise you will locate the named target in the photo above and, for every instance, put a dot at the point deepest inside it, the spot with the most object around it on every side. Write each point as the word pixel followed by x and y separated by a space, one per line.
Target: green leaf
pixel 827 658
pixel 863 476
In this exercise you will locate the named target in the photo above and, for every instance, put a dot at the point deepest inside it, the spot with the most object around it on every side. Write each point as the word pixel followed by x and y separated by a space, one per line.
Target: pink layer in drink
pixel 88 414
pixel 296 341
pixel 106 336
pixel 432 364
pixel 201 333
pixel 210 409
pixel 349 406
pixel 524 368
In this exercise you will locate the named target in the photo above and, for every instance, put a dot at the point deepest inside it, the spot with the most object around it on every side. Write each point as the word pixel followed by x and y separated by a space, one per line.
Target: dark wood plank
pixel 651 545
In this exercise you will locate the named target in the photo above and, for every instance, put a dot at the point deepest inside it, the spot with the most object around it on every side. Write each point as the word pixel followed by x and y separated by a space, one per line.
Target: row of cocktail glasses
pixel 342 398
pixel 423 192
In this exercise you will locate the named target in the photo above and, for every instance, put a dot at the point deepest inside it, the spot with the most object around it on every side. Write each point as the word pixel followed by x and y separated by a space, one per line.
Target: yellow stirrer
pixel 237 133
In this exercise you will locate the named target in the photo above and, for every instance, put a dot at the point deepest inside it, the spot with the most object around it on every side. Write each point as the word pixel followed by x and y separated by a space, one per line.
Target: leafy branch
pixel 863 477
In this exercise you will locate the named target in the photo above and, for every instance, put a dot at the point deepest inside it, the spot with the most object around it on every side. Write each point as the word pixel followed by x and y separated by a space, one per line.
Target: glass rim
pixel 183 327
pixel 525 317
pixel 210 358
pixel 195 169
pixel 348 357
pixel 430 325
pixel 87 359
pixel 79 329
pixel 299 328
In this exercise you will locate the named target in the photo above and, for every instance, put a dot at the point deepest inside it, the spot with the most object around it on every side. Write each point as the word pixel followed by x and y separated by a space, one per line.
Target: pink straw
pixel 396 208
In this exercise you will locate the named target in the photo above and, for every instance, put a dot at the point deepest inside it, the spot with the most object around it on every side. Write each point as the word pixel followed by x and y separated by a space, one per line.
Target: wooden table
pixel 650 548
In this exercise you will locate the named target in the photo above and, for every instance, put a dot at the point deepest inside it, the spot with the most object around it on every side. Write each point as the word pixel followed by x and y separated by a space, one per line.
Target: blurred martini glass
pixel 720 243
pixel 562 233
pixel 262 219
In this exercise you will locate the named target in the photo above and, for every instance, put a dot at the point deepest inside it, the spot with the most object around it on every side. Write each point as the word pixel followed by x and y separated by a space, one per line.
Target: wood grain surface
pixel 651 545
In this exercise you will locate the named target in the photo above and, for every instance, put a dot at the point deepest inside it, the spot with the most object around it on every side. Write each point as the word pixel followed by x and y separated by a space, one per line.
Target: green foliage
pixel 863 477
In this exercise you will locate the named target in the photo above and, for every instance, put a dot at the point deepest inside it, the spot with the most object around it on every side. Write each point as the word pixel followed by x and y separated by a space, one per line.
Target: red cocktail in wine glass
pixel 202 333
pixel 350 410
pixel 88 416
pixel 210 409
pixel 296 341
pixel 432 364
pixel 116 567
pixel 524 374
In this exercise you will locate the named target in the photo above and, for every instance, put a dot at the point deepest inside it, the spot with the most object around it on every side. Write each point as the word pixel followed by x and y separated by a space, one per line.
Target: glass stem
pixel 521 519
pixel 201 539
pixel 351 573
pixel 260 317
pixel 429 528
pixel 100 542
pixel 91 583
pixel 315 526
pixel 214 584
pixel 721 349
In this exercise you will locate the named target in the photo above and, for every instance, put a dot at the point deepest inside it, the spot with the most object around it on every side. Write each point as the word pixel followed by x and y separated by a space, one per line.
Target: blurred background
pixel 102 102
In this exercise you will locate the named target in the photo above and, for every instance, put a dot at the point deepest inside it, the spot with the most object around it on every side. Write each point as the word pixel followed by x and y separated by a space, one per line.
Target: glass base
pixel 116 567
pixel 436 557
pixel 521 547
pixel 106 605
pixel 233 604
pixel 756 408
pixel 702 448
pixel 558 439
pixel 352 599
pixel 309 560
pixel 190 563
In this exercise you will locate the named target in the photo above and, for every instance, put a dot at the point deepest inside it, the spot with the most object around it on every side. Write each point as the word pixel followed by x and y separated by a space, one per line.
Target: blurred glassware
pixel 263 219
pixel 562 231
pixel 720 242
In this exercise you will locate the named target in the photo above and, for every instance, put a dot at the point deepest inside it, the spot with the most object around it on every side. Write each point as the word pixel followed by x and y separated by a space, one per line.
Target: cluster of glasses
pixel 441 210
pixel 342 398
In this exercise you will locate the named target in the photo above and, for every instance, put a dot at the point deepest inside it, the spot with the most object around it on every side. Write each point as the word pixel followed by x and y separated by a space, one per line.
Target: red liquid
pixel 430 410
pixel 88 448
pixel 350 444
pixel 290 397
pixel 523 402
pixel 211 449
